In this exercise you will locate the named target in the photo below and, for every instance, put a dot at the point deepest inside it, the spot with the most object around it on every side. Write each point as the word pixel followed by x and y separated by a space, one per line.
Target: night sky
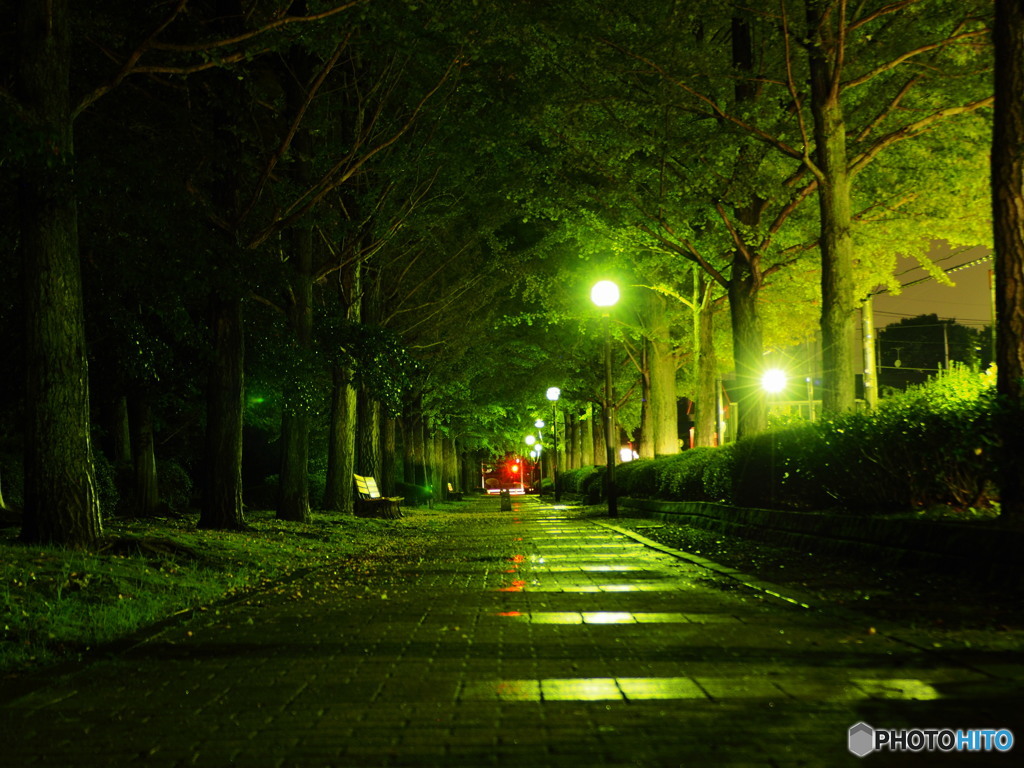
pixel 968 302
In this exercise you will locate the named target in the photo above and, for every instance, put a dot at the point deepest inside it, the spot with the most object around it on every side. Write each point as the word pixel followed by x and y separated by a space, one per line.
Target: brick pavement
pixel 530 638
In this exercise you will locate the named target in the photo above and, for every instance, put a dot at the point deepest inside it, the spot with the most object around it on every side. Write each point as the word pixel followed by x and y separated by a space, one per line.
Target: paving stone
pixel 532 637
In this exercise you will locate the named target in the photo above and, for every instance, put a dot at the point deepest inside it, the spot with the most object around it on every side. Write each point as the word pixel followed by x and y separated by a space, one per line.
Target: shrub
pixel 717 476
pixel 574 480
pixel 175 486
pixel 933 444
pixel 682 476
pixel 12 479
pixel 106 485
pixel 637 478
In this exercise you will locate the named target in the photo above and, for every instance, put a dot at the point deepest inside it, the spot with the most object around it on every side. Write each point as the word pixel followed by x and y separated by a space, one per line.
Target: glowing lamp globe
pixel 605 293
pixel 773 381
pixel 554 393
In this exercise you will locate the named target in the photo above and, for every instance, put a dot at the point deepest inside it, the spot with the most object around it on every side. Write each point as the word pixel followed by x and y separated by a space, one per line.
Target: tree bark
pixel 470 471
pixel 705 427
pixel 225 405
pixel 388 455
pixel 587 449
pixel 61 503
pixel 571 461
pixel 341 445
pixel 451 465
pixel 121 433
pixel 835 212
pixel 645 448
pixel 748 348
pixel 293 495
pixel 368 432
pixel 145 496
pixel 1008 221
pixel 293 501
pixel 600 452
pixel 661 366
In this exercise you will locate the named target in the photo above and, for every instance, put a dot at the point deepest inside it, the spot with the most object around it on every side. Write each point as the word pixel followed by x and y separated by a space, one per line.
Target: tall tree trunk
pixel 661 366
pixel 339 493
pixel 745 273
pixel 145 495
pixel 470 471
pixel 293 502
pixel 225 404
pixel 587 449
pixel 418 449
pixel 61 504
pixel 389 455
pixel 835 212
pixel 600 452
pixel 341 443
pixel 121 432
pixel 293 495
pixel 571 461
pixel 440 473
pixel 645 449
pixel 867 314
pixel 368 432
pixel 451 464
pixel 408 452
pixel 748 348
pixel 705 426
pixel 1008 220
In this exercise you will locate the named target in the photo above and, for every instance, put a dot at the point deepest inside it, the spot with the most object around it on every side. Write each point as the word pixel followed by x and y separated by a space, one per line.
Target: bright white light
pixel 605 293
pixel 628 454
pixel 530 439
pixel 553 393
pixel 539 423
pixel 773 380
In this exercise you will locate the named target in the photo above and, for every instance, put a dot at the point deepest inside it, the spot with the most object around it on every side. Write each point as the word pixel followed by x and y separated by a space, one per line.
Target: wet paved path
pixel 531 638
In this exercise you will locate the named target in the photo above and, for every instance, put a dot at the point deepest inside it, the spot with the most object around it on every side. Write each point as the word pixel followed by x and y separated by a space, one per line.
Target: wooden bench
pixel 369 502
pixel 453 495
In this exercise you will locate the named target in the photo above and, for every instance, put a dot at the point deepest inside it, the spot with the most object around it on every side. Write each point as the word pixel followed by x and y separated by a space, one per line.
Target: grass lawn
pixel 57 604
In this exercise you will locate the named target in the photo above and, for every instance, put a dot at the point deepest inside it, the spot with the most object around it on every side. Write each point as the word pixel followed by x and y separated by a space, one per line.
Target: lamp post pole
pixel 605 294
pixel 609 422
pixel 553 395
pixel 541 454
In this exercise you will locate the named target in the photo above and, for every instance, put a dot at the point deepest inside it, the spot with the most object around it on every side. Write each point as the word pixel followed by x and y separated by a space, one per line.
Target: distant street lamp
pixel 553 394
pixel 605 294
pixel 773 381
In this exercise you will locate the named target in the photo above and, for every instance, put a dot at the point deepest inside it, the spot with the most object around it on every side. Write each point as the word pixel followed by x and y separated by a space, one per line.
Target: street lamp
pixel 773 381
pixel 605 294
pixel 553 395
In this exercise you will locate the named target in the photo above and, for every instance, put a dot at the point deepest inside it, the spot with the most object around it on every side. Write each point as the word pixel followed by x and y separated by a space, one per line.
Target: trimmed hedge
pixel 932 445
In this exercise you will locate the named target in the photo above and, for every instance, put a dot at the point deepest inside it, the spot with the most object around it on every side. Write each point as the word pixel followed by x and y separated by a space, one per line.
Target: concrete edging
pixel 981 549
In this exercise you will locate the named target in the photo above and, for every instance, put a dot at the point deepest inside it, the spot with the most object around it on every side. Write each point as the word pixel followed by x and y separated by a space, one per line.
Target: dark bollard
pixel 506 501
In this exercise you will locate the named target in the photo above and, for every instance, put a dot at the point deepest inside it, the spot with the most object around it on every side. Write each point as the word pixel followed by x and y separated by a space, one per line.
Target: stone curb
pixel 981 550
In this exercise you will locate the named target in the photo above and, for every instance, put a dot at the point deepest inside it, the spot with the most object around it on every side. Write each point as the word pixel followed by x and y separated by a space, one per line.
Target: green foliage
pixel 586 481
pixel 106 484
pixel 175 486
pixel 682 476
pixel 637 478
pixel 931 446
